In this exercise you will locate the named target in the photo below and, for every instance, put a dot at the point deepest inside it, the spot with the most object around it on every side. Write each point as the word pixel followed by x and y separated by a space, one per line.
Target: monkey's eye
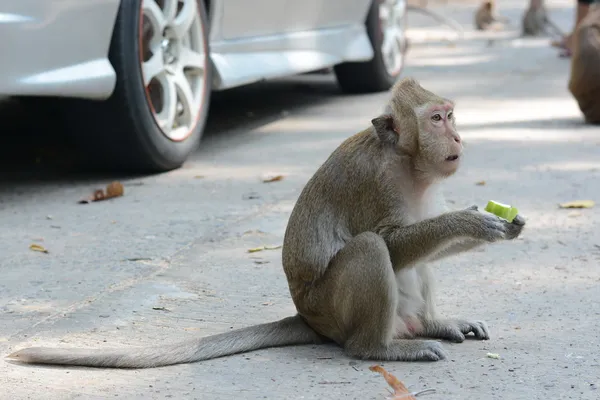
pixel 436 118
pixel 450 115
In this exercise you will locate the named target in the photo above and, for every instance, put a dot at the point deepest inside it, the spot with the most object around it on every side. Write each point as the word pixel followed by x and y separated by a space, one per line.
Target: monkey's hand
pixel 487 227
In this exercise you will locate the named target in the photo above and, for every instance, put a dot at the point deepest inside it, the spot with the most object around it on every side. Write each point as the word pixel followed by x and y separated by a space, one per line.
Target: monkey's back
pixel 326 214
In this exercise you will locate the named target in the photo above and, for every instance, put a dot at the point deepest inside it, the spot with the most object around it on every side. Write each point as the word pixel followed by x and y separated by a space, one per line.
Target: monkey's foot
pixel 403 350
pixel 454 330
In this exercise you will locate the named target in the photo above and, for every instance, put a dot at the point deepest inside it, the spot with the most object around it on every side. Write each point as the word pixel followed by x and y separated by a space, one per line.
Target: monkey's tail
pixel 285 332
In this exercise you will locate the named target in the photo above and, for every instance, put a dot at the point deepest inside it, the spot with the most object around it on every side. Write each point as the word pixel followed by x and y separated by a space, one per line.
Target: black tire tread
pixel 370 76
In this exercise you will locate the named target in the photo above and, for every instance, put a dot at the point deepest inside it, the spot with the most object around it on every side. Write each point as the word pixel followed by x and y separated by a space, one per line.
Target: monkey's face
pixel 441 145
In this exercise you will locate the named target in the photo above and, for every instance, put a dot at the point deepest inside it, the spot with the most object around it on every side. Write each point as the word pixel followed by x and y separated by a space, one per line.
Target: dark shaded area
pixel 38 146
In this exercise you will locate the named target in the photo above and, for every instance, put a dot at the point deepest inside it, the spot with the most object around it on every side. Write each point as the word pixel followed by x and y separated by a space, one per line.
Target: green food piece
pixel 503 211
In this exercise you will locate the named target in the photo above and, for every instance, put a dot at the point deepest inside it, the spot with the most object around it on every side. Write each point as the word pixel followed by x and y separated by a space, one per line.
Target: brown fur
pixel 584 82
pixel 485 16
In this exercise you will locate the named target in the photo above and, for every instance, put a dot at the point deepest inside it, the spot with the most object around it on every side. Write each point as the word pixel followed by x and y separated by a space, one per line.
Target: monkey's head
pixel 421 125
pixel 488 5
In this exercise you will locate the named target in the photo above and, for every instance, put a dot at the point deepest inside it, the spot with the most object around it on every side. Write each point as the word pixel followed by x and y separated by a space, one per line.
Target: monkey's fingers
pixel 519 220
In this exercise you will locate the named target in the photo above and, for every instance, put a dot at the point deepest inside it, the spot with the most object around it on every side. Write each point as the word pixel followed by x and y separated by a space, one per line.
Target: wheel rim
pixel 173 63
pixel 391 18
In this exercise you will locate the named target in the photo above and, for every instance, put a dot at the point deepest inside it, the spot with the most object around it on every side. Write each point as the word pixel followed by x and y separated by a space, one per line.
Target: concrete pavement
pixel 169 260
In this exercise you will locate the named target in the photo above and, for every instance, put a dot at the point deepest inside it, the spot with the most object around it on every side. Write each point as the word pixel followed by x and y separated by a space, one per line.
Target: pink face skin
pixel 442 125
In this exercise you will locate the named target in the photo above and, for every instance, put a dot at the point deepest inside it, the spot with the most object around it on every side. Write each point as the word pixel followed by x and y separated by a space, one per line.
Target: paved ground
pixel 169 259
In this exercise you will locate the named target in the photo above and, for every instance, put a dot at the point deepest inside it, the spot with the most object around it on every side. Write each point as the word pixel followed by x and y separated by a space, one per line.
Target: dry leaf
pixel 495 356
pixel 199 177
pixel 480 183
pixel 37 247
pixel 578 204
pixel 574 214
pixel 255 249
pixel 272 177
pixel 261 248
pixel 268 303
pixel 399 388
pixel 113 189
pixel 254 232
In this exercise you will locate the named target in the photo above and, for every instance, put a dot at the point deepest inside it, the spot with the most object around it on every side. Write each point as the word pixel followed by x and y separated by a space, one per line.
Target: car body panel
pixel 57 47
pixel 60 47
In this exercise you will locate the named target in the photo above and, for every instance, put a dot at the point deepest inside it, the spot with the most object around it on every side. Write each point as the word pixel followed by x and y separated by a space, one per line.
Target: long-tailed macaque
pixel 584 79
pixel 535 20
pixel 356 249
pixel 485 16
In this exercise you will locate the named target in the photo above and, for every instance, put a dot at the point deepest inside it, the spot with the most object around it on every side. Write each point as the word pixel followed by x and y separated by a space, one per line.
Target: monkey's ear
pixel 385 128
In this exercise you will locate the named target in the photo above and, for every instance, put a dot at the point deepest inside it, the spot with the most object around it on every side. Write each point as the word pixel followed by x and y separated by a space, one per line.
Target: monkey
pixel 485 16
pixel 584 80
pixel 356 250
pixel 535 20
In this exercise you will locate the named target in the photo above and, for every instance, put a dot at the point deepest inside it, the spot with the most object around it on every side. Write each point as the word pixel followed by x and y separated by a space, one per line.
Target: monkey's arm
pixel 422 240
pixel 433 237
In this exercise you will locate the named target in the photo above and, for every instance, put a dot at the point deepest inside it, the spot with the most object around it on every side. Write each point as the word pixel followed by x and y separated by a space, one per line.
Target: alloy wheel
pixel 174 62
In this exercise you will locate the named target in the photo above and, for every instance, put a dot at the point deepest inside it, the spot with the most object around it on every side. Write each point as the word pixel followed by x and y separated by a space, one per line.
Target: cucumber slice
pixel 503 211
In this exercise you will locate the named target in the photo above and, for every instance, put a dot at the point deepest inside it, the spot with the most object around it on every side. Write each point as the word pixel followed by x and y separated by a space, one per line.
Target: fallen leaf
pixel 261 248
pixel 161 309
pixel 269 177
pixel 574 214
pixel 261 262
pixel 254 232
pixel 113 189
pixel 255 249
pixel 37 247
pixel 578 204
pixel 199 177
pixel 495 356
pixel 399 387
pixel 267 303
pixel 480 183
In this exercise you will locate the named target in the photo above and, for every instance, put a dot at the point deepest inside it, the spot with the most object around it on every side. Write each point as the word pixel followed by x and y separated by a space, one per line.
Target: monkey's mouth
pixel 452 158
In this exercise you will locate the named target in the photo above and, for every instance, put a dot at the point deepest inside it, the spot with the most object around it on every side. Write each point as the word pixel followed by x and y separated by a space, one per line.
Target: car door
pixel 303 15
pixel 242 19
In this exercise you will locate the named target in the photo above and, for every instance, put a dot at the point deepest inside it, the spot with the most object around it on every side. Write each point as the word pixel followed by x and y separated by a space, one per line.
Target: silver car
pixel 136 75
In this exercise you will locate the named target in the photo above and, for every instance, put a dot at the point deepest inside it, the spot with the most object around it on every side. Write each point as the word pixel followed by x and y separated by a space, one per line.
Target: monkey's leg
pixel 432 326
pixel 454 330
pixel 364 295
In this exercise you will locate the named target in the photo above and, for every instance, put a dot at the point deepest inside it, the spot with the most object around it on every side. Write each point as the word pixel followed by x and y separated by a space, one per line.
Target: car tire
pixel 151 125
pixel 380 73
